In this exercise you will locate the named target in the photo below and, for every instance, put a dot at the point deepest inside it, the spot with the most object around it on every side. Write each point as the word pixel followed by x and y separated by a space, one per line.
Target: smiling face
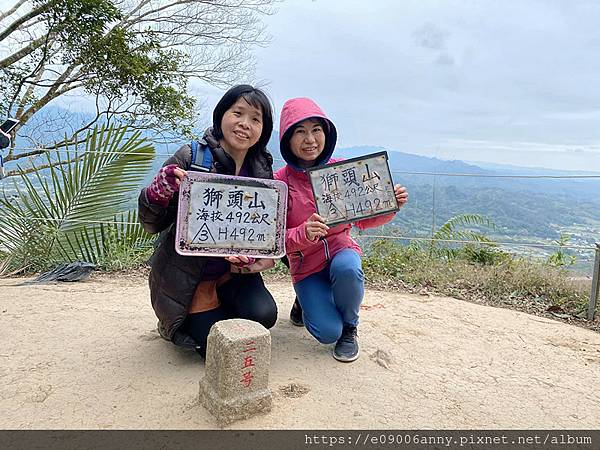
pixel 242 126
pixel 307 141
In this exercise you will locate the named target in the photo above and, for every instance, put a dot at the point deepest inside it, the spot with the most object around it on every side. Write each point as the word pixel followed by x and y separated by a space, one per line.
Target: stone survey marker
pixel 354 189
pixel 223 215
pixel 238 358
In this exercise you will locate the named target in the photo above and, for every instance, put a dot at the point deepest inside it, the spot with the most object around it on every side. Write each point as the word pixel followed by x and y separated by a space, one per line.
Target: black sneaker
pixel 296 314
pixel 346 348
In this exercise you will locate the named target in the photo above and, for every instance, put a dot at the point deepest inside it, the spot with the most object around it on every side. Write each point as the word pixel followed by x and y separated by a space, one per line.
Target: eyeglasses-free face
pixel 308 140
pixel 242 126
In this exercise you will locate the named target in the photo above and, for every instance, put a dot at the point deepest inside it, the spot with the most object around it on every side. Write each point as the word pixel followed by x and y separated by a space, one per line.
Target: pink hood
pixel 295 111
pixel 305 256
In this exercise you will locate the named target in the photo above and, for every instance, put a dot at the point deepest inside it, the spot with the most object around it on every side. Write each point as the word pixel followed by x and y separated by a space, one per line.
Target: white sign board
pixel 222 215
pixel 353 189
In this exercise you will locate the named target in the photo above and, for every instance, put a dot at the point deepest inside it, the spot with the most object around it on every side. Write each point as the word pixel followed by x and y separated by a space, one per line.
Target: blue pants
pixel 331 298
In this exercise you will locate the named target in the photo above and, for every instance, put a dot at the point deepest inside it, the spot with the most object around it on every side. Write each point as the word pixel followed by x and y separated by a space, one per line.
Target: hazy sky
pixel 509 81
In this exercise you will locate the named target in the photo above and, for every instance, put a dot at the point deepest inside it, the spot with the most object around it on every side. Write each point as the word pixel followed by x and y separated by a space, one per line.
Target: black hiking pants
pixel 243 297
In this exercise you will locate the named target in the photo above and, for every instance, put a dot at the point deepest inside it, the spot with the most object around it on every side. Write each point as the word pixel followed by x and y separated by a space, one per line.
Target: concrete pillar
pixel 238 358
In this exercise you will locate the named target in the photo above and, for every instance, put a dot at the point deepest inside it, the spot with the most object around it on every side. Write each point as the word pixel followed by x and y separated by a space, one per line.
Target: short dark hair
pixel 255 97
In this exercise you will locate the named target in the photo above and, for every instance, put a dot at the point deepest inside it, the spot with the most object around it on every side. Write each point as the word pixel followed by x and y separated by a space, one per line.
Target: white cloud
pixel 413 75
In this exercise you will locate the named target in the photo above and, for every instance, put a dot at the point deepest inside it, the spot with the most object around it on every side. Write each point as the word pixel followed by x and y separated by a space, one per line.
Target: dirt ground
pixel 87 355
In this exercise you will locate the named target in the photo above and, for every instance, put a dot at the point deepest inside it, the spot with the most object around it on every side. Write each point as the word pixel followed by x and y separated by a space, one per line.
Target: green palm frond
pixel 452 228
pixel 57 212
pixel 93 243
pixel 457 229
pixel 112 165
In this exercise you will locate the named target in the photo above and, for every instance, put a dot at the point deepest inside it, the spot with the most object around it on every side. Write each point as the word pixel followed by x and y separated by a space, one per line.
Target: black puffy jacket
pixel 173 277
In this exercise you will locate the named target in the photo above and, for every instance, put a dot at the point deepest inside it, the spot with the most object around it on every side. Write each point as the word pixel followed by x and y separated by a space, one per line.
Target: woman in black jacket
pixel 190 293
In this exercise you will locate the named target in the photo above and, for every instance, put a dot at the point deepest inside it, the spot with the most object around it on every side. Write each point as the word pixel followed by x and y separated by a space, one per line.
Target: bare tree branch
pixel 10 158
pixel 20 171
pixel 21 20
pixel 39 68
pixel 88 125
pixel 139 18
pixel 18 55
pixel 52 93
pixel 11 10
pixel 26 26
pixel 134 11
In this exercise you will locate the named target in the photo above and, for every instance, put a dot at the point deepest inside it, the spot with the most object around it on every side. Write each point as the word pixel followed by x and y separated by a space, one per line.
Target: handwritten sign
pixel 223 215
pixel 353 189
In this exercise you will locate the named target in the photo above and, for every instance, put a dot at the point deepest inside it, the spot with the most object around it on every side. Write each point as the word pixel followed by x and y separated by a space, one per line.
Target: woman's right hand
pixel 165 184
pixel 315 227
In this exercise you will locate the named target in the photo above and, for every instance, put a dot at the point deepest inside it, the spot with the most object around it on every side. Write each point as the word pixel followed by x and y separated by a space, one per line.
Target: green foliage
pixel 127 64
pixel 560 258
pixel 488 255
pixel 496 278
pixel 279 270
pixel 124 245
pixel 389 260
pixel 71 211
pixel 78 23
pixel 458 228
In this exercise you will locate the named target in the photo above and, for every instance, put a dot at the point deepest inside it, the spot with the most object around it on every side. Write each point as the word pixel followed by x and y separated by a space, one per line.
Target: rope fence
pixel 459 241
pixel 362 236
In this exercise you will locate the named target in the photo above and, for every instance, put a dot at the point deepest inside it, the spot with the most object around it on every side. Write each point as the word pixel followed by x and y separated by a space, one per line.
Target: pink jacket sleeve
pixel 296 239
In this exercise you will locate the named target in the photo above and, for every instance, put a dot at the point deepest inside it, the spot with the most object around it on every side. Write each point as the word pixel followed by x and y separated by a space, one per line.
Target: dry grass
pixel 509 282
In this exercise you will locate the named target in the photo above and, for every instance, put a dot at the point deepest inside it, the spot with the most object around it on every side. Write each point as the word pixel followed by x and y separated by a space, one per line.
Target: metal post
pixel 595 285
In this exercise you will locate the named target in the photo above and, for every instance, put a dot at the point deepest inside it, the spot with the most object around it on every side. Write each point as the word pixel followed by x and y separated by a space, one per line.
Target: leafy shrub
pixel 486 255
pixel 482 274
pixel 560 258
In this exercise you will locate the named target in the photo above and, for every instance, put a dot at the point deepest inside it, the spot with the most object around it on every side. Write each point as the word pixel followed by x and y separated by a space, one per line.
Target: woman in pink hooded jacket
pixel 324 262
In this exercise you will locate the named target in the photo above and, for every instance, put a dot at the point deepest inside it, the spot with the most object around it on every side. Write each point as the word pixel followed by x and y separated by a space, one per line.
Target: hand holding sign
pixel 241 260
pixel 165 184
pixel 315 227
pixel 351 190
pixel 179 174
pixel 401 195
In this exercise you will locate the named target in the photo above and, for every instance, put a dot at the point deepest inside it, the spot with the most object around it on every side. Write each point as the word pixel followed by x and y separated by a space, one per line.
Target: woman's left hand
pixel 241 260
pixel 401 194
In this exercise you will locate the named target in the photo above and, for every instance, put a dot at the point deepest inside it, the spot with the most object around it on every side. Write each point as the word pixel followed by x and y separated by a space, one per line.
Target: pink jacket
pixel 307 257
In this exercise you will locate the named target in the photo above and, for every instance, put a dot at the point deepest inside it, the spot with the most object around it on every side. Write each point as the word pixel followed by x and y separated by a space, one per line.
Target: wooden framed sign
pixel 222 215
pixel 353 189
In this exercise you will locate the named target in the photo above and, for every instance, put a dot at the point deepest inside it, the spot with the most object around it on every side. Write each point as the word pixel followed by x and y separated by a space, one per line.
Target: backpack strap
pixel 201 157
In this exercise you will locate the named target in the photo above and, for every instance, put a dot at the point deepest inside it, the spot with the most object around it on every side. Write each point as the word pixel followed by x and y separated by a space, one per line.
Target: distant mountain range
pixel 524 209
